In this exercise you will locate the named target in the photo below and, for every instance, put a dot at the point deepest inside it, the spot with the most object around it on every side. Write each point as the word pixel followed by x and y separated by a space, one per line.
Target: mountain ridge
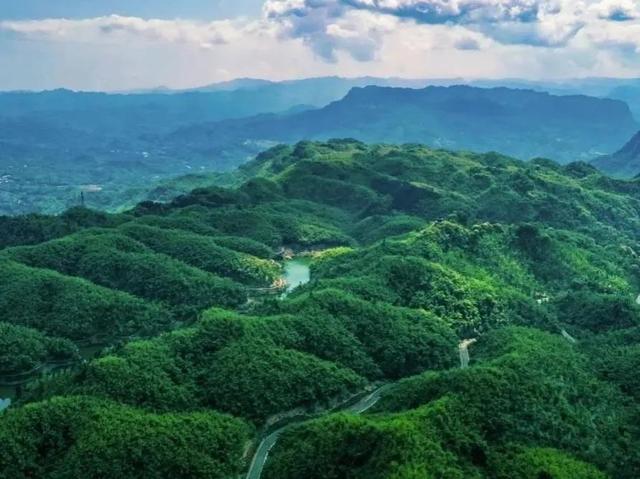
pixel 623 163
pixel 566 128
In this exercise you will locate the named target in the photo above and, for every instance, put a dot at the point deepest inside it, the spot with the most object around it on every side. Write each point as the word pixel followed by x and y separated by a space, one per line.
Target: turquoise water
pixel 296 273
pixel 5 398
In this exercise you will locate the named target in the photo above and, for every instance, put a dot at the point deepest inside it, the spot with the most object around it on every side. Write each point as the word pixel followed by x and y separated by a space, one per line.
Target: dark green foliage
pixel 343 446
pixel 71 307
pixel 598 312
pixel 527 388
pixel 411 250
pixel 32 229
pixel 544 463
pixel 118 262
pixel 143 374
pixel 376 228
pixel 81 437
pixel 618 363
pixel 245 245
pixel 24 349
pixel 205 253
pixel 176 223
pixel 223 361
pixel 400 341
pixel 257 379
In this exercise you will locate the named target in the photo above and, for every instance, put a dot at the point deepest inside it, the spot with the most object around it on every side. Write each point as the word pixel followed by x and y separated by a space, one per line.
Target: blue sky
pixel 129 44
pixel 193 9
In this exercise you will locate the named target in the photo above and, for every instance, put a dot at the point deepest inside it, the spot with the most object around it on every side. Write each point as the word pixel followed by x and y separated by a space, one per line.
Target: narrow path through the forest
pixel 262 452
pixel 568 337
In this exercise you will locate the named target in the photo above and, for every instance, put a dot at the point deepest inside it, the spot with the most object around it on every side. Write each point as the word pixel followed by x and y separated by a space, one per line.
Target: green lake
pixel 296 273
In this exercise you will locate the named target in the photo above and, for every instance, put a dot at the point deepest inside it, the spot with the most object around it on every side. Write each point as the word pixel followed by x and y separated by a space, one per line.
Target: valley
pixel 416 251
pixel 320 239
pixel 61 149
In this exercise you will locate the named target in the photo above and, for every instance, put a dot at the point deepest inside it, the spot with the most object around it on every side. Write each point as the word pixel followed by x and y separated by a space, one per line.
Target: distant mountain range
pixel 320 91
pixel 55 143
pixel 324 89
pixel 163 110
pixel 625 163
pixel 521 123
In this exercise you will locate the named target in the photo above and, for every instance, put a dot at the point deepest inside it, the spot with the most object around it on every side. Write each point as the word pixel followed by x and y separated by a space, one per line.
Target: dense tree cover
pixel 83 437
pixel 599 312
pixel 527 388
pixel 481 276
pixel 221 362
pixel 72 307
pixel 544 462
pixel 400 341
pixel 412 250
pixel 115 261
pixel 205 253
pixel 35 228
pixel 472 187
pixel 615 355
pixel 323 349
pixel 24 349
pixel 257 366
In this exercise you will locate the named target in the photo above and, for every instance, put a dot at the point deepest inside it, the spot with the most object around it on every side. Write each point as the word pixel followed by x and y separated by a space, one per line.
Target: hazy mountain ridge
pixel 522 123
pixel 152 137
pixel 624 162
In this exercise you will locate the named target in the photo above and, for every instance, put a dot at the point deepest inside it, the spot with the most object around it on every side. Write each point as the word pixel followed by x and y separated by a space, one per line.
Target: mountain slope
pixel 114 147
pixel 521 123
pixel 411 251
pixel 624 163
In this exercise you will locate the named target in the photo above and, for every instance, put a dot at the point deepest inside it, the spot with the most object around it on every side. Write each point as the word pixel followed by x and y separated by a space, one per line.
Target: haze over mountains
pixel 624 162
pixel 521 123
pixel 397 239
pixel 115 147
pixel 327 89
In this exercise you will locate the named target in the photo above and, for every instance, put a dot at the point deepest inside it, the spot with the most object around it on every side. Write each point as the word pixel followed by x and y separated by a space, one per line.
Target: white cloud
pixel 300 38
pixel 617 10
pixel 115 28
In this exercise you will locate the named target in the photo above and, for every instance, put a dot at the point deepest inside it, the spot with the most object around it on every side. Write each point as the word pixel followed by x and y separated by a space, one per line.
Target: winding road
pixel 262 452
pixel 568 337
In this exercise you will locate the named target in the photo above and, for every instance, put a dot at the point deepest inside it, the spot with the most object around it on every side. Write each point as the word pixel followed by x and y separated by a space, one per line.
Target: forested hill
pixel 522 123
pixel 116 149
pixel 412 251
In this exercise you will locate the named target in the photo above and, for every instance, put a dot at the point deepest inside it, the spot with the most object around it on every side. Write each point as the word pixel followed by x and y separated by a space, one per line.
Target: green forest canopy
pixel 419 249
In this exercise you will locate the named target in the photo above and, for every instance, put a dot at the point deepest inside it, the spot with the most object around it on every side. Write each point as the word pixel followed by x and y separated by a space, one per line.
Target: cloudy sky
pixel 125 44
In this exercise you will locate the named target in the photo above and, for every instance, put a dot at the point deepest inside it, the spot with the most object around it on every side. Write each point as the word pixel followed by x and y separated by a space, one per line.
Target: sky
pixel 113 45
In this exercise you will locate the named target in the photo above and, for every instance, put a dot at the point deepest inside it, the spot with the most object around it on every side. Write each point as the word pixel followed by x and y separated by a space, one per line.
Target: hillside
pixel 521 123
pixel 411 251
pixel 624 163
pixel 112 147
pixel 60 148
